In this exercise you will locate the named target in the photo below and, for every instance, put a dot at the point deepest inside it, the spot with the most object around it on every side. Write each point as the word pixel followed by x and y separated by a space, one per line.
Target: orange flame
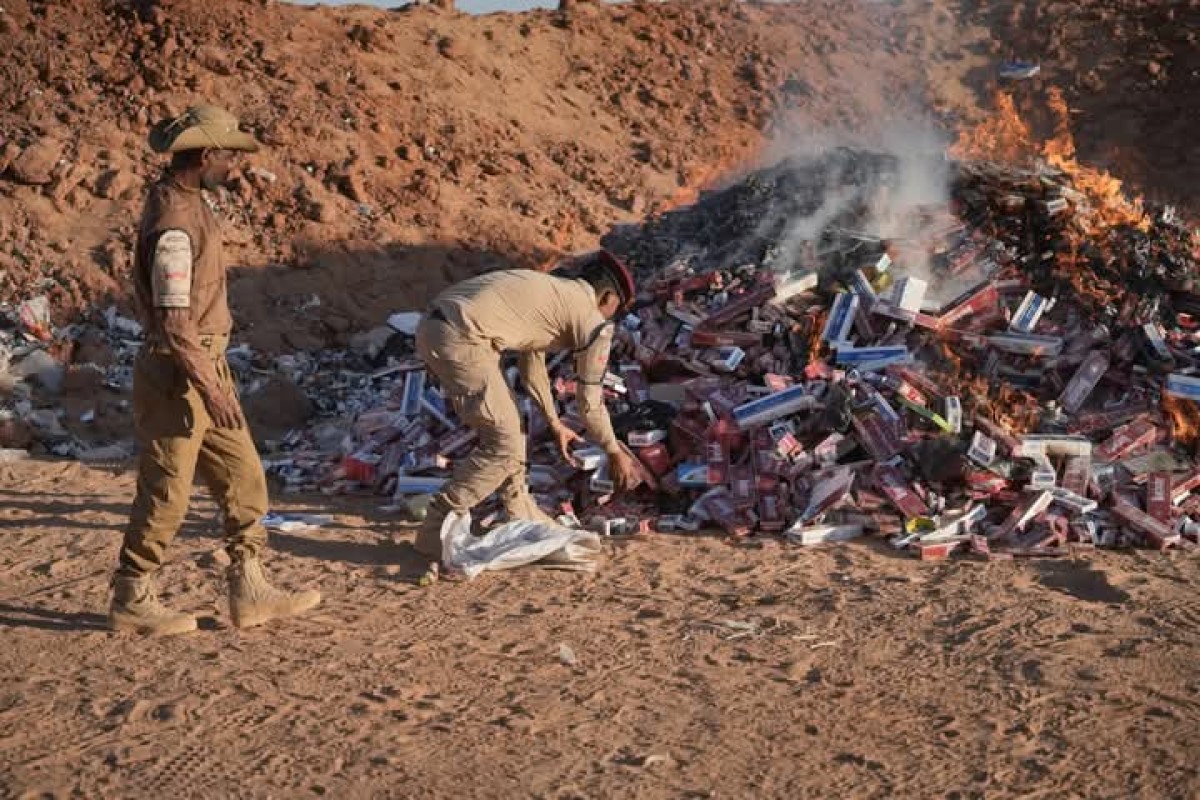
pixel 1110 205
pixel 1015 410
pixel 1003 136
pixel 1184 417
pixel 1097 201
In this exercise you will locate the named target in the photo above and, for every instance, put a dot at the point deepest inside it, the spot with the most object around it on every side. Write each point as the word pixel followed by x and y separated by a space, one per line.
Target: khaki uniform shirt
pixel 178 262
pixel 531 313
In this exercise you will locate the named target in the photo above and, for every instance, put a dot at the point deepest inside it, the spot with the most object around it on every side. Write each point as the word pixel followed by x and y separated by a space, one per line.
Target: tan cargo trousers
pixel 474 385
pixel 177 440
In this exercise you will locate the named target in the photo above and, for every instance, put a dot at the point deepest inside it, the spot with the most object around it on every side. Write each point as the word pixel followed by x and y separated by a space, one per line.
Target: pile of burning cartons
pixel 1015 374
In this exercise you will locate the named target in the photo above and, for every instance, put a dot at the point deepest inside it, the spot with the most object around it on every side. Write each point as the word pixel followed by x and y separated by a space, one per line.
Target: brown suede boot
pixel 135 608
pixel 253 600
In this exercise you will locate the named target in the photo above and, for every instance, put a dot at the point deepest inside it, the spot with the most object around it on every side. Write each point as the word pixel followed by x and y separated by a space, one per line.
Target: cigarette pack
pixel 876 436
pixel 743 304
pixel 1158 344
pixel 1026 344
pixel 936 551
pixel 1043 475
pixel 1184 487
pixel 909 293
pixel 919 380
pixel 821 534
pixel 727 359
pixel 1076 473
pixel 1099 420
pixel 590 458
pixel 1084 381
pixel 876 357
pixel 980 300
pixel 691 476
pixel 861 286
pixel 771 517
pixel 703 337
pixel 1128 439
pixel 779 404
pixel 827 493
pixel 889 309
pixel 656 457
pixel 832 447
pixel 601 481
pixel 743 486
pixel 891 482
pixel 953 414
pixel 646 438
pixel 1183 386
pixel 685 314
pixel 1036 444
pixel 841 318
pixel 1030 507
pixel 1028 313
pixel 1158 496
pixel 1004 440
pixel 717 453
pixel 1157 533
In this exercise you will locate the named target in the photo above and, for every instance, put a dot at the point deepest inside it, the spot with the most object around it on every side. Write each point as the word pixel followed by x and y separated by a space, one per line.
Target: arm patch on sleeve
pixel 171 272
pixel 591 363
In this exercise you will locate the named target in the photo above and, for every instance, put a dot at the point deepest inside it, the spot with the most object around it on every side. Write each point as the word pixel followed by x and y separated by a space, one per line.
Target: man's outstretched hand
pixel 564 437
pixel 623 469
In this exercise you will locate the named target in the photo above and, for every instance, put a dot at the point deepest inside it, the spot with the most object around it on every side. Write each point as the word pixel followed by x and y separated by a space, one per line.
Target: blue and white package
pixel 414 392
pixel 861 286
pixel 1183 386
pixel 841 318
pixel 1028 313
pixel 435 405
pixel 887 354
pixel 1026 344
pixel 1154 336
pixel 773 406
pixel 953 414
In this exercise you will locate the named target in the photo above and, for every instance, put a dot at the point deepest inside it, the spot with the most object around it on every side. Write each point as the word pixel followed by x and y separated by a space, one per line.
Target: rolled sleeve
pixel 591 363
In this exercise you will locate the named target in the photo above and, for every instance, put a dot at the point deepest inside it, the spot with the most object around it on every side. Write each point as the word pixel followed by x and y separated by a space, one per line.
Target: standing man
pixel 461 340
pixel 185 407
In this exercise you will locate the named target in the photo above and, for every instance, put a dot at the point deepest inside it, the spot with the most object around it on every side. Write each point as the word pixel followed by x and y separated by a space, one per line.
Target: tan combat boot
pixel 253 600
pixel 135 608
pixel 428 541
pixel 519 504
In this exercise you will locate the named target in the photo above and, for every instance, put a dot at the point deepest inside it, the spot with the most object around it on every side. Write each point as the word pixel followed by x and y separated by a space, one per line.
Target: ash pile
pixel 1007 370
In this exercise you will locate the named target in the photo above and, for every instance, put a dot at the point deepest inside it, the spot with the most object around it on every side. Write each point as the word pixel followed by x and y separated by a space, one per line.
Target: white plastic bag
pixel 516 544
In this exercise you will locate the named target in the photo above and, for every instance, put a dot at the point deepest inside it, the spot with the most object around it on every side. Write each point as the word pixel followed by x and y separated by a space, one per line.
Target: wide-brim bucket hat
pixel 201 128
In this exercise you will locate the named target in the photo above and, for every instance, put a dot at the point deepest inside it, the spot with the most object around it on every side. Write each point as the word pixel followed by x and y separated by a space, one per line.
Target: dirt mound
pixel 405 147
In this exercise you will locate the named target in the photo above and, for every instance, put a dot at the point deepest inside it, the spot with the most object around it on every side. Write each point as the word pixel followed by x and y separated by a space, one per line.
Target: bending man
pixel 461 340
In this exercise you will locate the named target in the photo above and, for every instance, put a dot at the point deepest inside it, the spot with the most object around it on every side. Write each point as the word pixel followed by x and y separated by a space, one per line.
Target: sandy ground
pixel 701 669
